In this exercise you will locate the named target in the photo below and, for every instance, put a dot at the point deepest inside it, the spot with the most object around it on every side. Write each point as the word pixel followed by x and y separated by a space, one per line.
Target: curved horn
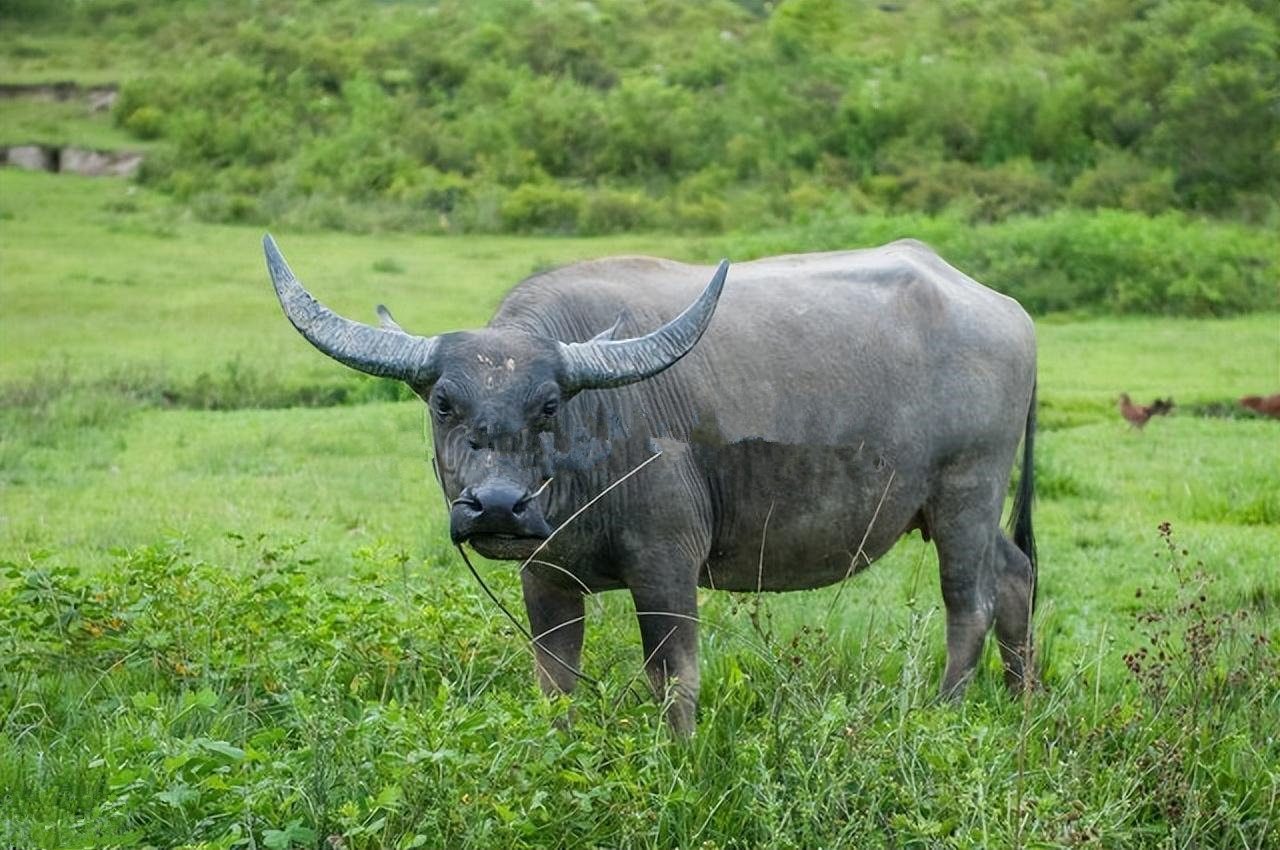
pixel 387 353
pixel 600 363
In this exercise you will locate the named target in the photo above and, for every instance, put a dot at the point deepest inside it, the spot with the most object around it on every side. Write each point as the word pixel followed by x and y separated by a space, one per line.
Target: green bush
pixel 1218 123
pixel 542 208
pixel 564 117
pixel 1071 260
pixel 34 10
pixel 1122 262
pixel 705 215
pixel 649 95
pixel 1190 86
pixel 145 122
pixel 1123 181
pixel 985 194
pixel 613 211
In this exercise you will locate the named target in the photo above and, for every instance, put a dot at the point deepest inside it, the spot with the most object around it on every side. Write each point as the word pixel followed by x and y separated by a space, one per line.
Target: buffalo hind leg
pixel 1015 594
pixel 967 594
pixel 669 631
pixel 556 622
pixel 968 539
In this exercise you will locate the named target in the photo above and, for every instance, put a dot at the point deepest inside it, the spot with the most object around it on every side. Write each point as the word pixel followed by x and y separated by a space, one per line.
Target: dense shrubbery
pixel 1070 259
pixel 1069 156
pixel 590 117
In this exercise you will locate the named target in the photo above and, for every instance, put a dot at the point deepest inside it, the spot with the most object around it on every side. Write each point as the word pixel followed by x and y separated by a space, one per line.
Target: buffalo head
pixel 494 397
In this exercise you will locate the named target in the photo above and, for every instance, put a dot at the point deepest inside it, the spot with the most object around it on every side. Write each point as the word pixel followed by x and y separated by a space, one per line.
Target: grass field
pixel 24 121
pixel 229 616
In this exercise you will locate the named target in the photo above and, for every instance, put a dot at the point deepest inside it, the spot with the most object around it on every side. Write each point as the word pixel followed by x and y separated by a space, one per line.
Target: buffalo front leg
pixel 669 630
pixel 556 622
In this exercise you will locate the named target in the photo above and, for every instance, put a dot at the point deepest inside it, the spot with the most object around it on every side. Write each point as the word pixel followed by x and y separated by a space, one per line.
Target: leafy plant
pixel 335 108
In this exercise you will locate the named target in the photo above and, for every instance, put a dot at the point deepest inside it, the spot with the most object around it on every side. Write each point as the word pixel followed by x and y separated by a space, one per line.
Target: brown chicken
pixel 1138 414
pixel 1266 405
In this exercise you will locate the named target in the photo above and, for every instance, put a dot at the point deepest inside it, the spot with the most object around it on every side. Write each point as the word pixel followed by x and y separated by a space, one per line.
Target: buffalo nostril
pixel 468 500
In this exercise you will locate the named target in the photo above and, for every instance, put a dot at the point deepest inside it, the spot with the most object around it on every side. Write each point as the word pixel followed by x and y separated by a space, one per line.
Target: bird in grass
pixel 1138 414
pixel 1266 405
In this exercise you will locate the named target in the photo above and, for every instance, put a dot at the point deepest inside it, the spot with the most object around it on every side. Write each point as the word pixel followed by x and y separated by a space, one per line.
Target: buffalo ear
pixel 611 333
pixel 386 321
pixel 422 391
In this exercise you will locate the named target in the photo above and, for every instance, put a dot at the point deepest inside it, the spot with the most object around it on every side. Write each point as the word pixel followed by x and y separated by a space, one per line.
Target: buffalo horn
pixel 598 363
pixel 385 352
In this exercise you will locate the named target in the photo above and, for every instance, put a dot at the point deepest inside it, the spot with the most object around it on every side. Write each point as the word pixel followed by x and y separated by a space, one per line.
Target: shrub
pixel 1110 260
pixel 652 128
pixel 34 10
pixel 145 122
pixel 542 208
pixel 987 194
pixel 613 211
pixel 705 215
pixel 396 106
pixel 215 205
pixel 1218 123
pixel 1126 263
pixel 388 265
pixel 1123 181
pixel 442 191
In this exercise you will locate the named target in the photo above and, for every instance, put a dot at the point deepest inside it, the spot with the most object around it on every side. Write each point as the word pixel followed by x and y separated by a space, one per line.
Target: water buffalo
pixel 836 402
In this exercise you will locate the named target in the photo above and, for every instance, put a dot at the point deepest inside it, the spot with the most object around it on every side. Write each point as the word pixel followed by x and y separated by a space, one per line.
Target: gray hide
pixel 835 402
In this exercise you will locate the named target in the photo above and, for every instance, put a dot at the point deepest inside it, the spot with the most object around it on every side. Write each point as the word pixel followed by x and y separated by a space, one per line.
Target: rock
pixel 99 163
pixel 72 160
pixel 82 161
pixel 103 98
pixel 126 164
pixel 32 157
pixel 98 97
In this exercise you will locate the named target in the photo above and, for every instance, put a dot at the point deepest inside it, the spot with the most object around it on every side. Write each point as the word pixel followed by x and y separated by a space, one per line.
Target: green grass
pixel 33 121
pixel 1085 365
pixel 133 283
pixel 46 50
pixel 244 627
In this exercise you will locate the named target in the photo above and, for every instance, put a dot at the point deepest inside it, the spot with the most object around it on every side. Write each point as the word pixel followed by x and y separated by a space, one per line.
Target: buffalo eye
pixel 440 404
pixel 546 400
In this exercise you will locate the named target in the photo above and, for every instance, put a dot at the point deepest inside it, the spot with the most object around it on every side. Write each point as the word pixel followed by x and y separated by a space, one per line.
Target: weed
pixel 387 709
pixel 388 265
pixel 1200 670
